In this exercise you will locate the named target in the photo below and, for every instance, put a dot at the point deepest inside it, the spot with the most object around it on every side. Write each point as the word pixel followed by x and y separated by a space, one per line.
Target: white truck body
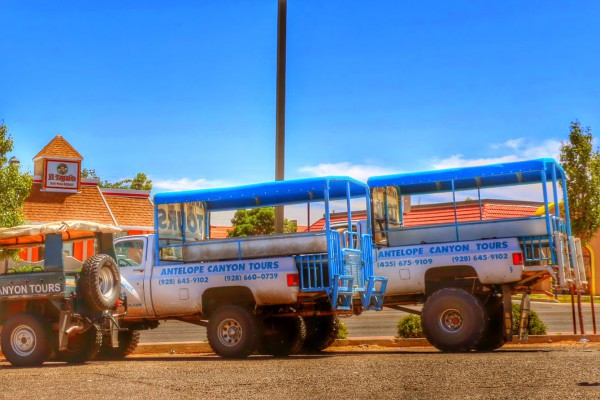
pixel 175 290
pixel 492 260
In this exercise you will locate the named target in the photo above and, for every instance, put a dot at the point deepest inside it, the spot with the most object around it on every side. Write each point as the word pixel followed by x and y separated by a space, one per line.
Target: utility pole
pixel 280 118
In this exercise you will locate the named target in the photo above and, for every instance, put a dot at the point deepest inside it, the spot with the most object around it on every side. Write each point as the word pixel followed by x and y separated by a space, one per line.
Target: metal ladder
pixel 353 274
pixel 577 262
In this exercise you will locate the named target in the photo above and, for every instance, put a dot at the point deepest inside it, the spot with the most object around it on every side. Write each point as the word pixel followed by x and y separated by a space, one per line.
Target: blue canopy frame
pixel 541 171
pixel 276 193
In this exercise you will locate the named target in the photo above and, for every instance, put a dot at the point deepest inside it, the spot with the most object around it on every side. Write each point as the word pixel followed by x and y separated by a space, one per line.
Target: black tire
pixel 81 347
pixel 321 332
pixel 100 282
pixel 128 342
pixel 283 336
pixel 26 340
pixel 232 332
pixel 493 337
pixel 453 320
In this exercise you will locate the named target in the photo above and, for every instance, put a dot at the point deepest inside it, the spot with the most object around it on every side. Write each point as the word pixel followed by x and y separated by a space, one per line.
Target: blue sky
pixel 185 91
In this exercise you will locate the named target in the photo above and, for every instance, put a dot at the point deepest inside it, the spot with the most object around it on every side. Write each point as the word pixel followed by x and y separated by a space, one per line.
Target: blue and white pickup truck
pixel 465 272
pixel 271 293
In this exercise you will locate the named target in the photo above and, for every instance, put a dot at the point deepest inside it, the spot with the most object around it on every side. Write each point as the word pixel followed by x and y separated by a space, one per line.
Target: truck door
pixel 132 259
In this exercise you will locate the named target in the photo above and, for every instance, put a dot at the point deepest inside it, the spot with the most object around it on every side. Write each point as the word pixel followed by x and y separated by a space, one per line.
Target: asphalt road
pixel 556 316
pixel 542 372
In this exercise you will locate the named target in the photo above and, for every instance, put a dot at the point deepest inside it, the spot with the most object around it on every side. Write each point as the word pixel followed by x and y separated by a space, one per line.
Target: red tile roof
pixel 444 213
pixel 86 205
pixel 59 147
pixel 131 211
pixel 467 211
pixel 219 232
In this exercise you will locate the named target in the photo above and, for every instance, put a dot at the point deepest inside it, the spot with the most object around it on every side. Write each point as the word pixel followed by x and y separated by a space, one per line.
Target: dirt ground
pixel 554 371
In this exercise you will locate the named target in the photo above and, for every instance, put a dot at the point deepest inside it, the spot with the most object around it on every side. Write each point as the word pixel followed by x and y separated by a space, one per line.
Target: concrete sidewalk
pixel 382 341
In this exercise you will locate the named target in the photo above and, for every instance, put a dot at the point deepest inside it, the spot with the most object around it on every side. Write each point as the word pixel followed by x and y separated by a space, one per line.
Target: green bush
pixel 536 326
pixel 342 331
pixel 410 327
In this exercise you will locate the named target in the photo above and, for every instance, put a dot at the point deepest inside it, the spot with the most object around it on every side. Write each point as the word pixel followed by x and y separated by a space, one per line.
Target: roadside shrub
pixel 342 331
pixel 410 327
pixel 536 326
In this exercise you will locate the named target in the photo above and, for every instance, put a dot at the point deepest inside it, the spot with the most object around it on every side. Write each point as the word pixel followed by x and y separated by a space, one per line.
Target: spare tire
pixel 100 282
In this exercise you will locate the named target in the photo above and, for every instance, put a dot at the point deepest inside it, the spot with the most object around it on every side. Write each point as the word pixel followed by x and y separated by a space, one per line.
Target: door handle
pixel 138 269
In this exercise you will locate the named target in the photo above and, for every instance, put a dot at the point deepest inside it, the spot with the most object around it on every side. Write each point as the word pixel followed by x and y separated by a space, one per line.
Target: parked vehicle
pixel 268 293
pixel 60 307
pixel 464 272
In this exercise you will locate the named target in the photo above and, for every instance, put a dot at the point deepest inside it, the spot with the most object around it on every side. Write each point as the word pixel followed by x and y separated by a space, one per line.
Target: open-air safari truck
pixel 60 307
pixel 465 269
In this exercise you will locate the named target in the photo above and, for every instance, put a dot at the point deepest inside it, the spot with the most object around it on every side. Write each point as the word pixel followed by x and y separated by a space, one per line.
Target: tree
pixel 89 173
pixel 257 221
pixel 14 187
pixel 140 182
pixel 582 166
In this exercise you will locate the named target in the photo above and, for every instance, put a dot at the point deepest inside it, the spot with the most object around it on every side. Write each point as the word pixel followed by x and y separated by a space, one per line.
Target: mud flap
pixel 508 319
pixel 114 334
pixel 64 321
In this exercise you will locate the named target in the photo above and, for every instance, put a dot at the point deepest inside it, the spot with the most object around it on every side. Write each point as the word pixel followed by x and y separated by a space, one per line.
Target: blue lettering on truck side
pixel 238 271
pixel 457 253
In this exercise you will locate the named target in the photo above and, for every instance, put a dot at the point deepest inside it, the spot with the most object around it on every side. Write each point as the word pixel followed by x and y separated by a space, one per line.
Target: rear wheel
pixel 26 340
pixel 493 336
pixel 321 332
pixel 81 347
pixel 283 336
pixel 100 282
pixel 128 342
pixel 232 332
pixel 453 320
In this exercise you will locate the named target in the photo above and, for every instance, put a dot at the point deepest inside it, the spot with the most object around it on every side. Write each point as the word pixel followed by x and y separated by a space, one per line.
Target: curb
pixel 204 347
pixel 382 341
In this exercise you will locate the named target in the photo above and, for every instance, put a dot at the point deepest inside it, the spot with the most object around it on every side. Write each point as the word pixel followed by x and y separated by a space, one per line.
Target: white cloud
pixel 356 171
pixel 458 160
pixel 189 184
pixel 517 150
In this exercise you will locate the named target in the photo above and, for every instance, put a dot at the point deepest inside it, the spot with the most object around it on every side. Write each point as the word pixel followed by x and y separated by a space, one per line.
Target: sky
pixel 184 91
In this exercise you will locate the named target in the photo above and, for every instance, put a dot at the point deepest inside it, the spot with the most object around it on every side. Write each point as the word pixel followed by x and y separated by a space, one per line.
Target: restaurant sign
pixel 61 175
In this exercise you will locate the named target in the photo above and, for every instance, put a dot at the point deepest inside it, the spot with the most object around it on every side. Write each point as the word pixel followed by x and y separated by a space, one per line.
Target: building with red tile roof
pixel 60 193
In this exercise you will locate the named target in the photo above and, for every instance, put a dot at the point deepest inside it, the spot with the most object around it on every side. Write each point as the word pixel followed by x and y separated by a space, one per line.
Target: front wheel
pixel 26 340
pixel 128 342
pixel 232 332
pixel 453 320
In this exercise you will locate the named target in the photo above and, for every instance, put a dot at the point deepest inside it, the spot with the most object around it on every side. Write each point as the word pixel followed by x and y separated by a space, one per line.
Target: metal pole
pixel 280 111
pixel 580 312
pixel 573 310
pixel 593 310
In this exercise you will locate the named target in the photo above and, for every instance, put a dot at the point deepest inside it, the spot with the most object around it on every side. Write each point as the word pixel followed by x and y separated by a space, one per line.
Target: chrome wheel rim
pixel 23 340
pixel 107 282
pixel 230 332
pixel 451 320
